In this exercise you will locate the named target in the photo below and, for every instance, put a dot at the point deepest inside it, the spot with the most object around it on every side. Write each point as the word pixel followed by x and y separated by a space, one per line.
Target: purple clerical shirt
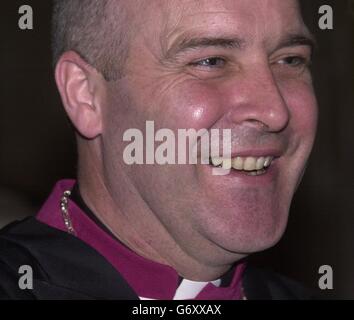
pixel 149 279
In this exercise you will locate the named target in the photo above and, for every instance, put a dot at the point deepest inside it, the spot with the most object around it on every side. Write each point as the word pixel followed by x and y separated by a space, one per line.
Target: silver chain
pixel 64 203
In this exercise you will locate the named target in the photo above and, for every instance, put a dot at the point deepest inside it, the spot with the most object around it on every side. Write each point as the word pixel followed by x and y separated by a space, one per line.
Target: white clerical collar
pixel 189 290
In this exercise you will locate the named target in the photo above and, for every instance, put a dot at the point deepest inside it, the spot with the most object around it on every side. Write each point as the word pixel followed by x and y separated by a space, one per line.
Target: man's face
pixel 216 64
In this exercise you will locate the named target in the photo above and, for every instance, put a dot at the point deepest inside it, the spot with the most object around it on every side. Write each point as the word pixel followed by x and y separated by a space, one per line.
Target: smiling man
pixel 171 231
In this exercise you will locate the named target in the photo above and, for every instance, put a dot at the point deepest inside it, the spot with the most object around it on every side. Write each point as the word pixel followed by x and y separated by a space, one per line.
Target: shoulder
pixel 14 255
pixel 261 284
pixel 63 266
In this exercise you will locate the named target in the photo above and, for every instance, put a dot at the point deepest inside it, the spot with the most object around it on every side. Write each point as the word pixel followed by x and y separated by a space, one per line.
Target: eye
pixel 212 62
pixel 294 61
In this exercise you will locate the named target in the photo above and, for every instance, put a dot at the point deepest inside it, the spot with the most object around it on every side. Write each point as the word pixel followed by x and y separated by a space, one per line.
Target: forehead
pixel 251 19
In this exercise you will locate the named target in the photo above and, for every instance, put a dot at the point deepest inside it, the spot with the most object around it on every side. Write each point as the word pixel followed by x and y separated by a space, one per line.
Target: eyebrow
pixel 290 40
pixel 294 40
pixel 204 42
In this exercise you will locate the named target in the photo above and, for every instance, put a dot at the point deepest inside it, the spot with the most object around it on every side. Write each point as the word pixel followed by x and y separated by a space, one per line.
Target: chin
pixel 260 243
pixel 250 233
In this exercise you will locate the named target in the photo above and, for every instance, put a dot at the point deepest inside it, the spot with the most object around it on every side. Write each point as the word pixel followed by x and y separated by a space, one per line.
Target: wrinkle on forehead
pixel 174 11
pixel 160 23
pixel 265 21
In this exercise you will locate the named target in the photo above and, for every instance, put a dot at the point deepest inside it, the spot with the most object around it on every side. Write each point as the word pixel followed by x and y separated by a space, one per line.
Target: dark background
pixel 37 145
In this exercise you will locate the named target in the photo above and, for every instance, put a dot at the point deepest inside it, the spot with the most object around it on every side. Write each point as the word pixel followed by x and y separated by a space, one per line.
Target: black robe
pixel 65 267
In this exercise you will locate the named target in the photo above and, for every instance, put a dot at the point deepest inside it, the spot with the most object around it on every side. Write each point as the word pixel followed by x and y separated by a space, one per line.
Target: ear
pixel 82 93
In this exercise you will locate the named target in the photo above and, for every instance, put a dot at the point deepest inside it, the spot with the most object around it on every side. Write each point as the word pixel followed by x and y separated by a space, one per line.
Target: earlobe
pixel 77 82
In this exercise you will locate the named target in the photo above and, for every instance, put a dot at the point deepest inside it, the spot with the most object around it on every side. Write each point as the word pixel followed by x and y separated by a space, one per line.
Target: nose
pixel 256 99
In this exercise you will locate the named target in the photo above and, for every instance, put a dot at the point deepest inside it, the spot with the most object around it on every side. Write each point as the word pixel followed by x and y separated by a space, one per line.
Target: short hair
pixel 93 29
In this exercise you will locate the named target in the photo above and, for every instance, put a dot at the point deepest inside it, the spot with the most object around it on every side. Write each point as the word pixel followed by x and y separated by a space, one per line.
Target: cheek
pixel 301 100
pixel 194 105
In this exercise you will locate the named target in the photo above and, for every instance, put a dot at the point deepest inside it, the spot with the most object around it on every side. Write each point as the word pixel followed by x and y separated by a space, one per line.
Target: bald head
pixel 95 29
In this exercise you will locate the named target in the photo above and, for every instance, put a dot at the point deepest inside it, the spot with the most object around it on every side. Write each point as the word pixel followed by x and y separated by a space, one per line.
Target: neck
pixel 133 223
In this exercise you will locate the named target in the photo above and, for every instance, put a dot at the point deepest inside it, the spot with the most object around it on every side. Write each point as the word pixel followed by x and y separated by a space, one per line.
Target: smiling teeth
pixel 243 163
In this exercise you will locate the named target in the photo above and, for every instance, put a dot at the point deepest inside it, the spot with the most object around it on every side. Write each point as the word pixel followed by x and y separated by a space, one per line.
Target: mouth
pixel 252 166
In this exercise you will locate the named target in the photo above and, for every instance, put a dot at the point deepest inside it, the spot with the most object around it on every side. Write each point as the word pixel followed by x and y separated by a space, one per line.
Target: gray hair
pixel 93 29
